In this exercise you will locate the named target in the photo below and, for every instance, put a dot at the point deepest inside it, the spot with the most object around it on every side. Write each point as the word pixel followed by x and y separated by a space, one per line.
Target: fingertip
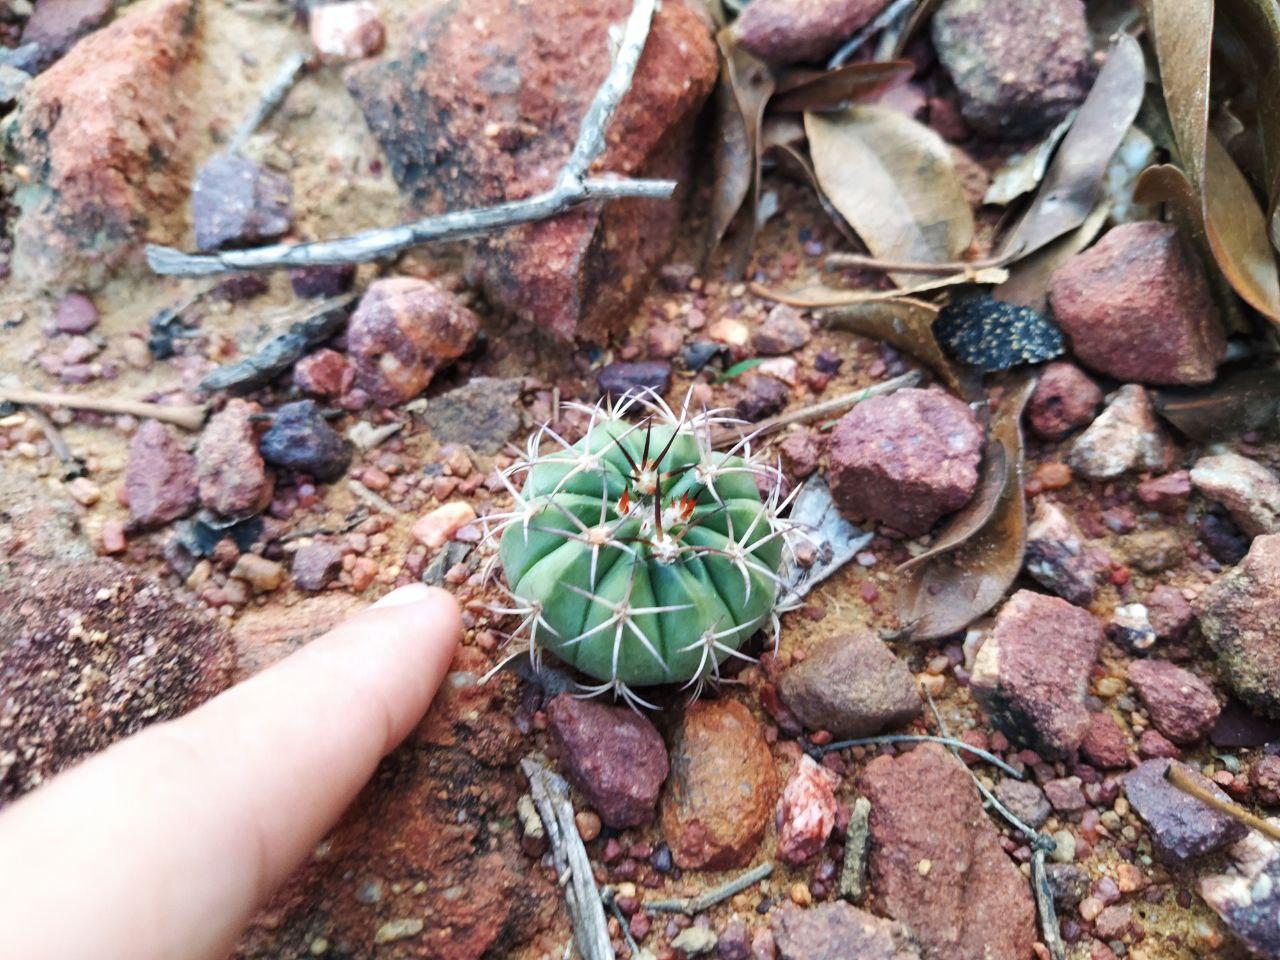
pixel 405 596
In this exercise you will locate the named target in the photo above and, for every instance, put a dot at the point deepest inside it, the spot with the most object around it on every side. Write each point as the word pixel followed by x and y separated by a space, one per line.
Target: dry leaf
pixel 827 90
pixel 1028 283
pixel 1074 182
pixel 1183 34
pixel 1023 172
pixel 949 592
pixel 969 520
pixel 892 179
pixel 820 295
pixel 1237 401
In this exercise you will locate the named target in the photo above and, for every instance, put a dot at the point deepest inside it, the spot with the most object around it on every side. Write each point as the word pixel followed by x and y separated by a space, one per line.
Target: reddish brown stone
pixel 232 476
pixel 315 565
pixel 325 373
pixel 102 130
pixel 1182 706
pixel 402 332
pixel 1136 306
pixel 800 31
pixel 478 105
pixel 936 864
pixel 1264 776
pixel 783 330
pixel 57 24
pixel 1065 399
pixel 1105 745
pixel 806 812
pixel 838 931
pixel 1168 493
pixel 1182 828
pixel 905 459
pixel 1032 674
pixel 722 788
pixel 801 450
pixel 1170 614
pixel 160 477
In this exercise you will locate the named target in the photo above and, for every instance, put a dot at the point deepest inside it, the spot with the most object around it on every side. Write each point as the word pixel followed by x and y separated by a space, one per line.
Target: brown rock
pixel 905 459
pixel 402 332
pixel 801 31
pixel 232 476
pixel 57 24
pixel 783 330
pixel 1105 745
pixel 1170 614
pixel 1182 828
pixel 1240 617
pixel 800 449
pixel 1057 558
pixel 1125 437
pixel 936 863
pixel 1182 706
pixel 837 931
pixel 315 565
pixel 851 686
pixel 160 477
pixel 237 202
pixel 762 396
pixel 1065 399
pixel 325 373
pixel 722 788
pixel 477 106
pixel 1032 674
pixel 1168 493
pixel 1136 306
pixel 102 130
pixel 1249 491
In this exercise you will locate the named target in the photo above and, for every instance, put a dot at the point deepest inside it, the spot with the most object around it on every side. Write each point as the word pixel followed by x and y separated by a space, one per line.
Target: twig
pixel 74 465
pixel 611 901
pixel 571 189
pixel 891 738
pixel 726 436
pixel 854 43
pixel 838 261
pixel 1178 778
pixel 271 98
pixel 586 910
pixel 186 416
pixel 842 298
pixel 372 499
pixel 695 905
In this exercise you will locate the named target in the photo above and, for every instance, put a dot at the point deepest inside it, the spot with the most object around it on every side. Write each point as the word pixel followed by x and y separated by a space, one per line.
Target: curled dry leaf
pixel 782 140
pixel 907 325
pixel 947 593
pixel 818 295
pixel 970 519
pixel 1023 172
pixel 1183 36
pixel 804 90
pixel 1237 401
pixel 892 179
pixel 1073 183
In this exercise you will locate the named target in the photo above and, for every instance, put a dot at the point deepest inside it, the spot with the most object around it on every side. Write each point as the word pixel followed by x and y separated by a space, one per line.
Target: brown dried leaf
pixel 1028 283
pixel 907 325
pixel 1183 34
pixel 892 179
pixel 829 89
pixel 1236 401
pixel 949 592
pixel 817 295
pixel 969 520
pixel 1071 188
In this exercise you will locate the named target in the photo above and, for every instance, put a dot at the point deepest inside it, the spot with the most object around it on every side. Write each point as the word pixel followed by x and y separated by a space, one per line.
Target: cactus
pixel 639 554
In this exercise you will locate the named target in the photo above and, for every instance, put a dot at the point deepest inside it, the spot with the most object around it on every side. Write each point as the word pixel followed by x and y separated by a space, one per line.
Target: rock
pixel 783 330
pixel 315 565
pixel 57 24
pixel 483 415
pixel 1065 794
pixel 762 396
pixel 1238 726
pixel 160 477
pixel 936 862
pixel 402 332
pixel 1170 614
pixel 1113 922
pixel 1247 897
pixel 325 280
pixel 1264 777
pixel 1182 706
pixel 1064 400
pixel 851 686
pixel 1025 801
pixel 1018 68
pixel 1168 494
pixel 1153 551
pixel 1222 539
pixel 75 313
pixel 1068 883
pixel 1249 491
pixel 1136 306
pixel 1125 437
pixel 1056 557
pixel 1105 745
pixel 1130 628
pixel 1152 744
pixel 346 31
pixel 325 373
pixel 905 459
pixel 475 106
pixel 90 653
pixel 734 942
pixel 261 574
pixel 439 526
pixel 800 450
pixel 617 379
pixel 781 32
pixel 722 789
pixel 857 838
pixel 836 931
pixel 301 440
pixel 613 755
pixel 232 476
pixel 103 132
pixel 236 202
pixel 694 941
pixel 806 812
pixel 1240 618
pixel 1182 828
pixel 1032 673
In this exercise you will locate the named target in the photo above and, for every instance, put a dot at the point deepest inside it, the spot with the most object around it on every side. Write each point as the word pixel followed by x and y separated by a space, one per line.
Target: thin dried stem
pixel 271 98
pixel 1179 778
pixel 691 906
pixel 838 261
pixel 186 416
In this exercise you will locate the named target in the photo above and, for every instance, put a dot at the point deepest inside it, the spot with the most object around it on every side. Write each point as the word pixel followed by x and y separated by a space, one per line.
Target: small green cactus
pixel 639 554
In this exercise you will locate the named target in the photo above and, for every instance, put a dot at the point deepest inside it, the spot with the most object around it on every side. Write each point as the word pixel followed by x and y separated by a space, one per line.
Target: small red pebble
pixel 1120 576
pixel 113 538
pixel 868 592
pixel 821 738
pixel 362 574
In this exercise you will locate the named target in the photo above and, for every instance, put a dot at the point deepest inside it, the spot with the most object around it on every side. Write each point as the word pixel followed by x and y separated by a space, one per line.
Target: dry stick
pixel 854 43
pixel 271 98
pixel 892 738
pixel 571 189
pixel 186 416
pixel 56 440
pixel 726 436
pixel 550 795
pixel 836 261
pixel 694 905
pixel 1179 778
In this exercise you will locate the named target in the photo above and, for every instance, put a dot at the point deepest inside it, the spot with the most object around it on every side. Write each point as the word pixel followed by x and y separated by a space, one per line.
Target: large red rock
pixel 722 788
pixel 798 31
pixel 905 459
pixel 160 476
pixel 1032 673
pixel 936 865
pixel 102 133
pixel 481 102
pixel 1136 306
pixel 231 474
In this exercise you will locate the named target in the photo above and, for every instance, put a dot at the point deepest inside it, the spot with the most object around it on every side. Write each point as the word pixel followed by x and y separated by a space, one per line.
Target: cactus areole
pixel 639 554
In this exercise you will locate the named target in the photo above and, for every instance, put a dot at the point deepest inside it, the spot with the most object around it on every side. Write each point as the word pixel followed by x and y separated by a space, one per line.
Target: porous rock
pixel 231 474
pixel 160 476
pixel 834 931
pixel 1182 705
pixel 1125 437
pixel 1249 490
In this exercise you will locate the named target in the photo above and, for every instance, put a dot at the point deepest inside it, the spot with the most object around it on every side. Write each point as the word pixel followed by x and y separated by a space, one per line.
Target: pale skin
pixel 162 846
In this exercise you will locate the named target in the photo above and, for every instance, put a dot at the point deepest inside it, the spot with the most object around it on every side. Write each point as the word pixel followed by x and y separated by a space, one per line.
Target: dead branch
pixel 271 98
pixel 892 738
pixel 186 416
pixel 572 188
pixel 695 905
